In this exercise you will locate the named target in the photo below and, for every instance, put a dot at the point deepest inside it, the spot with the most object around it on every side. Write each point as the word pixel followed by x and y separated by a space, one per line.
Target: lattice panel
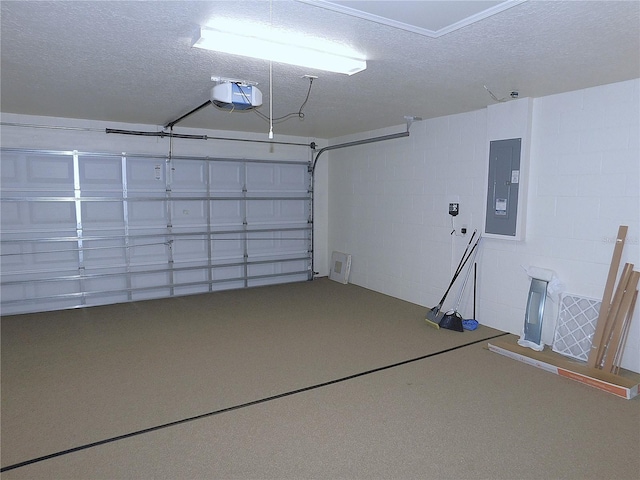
pixel 576 325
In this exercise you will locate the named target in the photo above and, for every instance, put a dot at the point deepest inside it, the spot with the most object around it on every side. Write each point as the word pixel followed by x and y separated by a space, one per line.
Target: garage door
pixel 88 228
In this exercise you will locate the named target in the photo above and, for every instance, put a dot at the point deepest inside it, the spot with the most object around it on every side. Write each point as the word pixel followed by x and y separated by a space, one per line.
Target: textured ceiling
pixel 432 18
pixel 132 61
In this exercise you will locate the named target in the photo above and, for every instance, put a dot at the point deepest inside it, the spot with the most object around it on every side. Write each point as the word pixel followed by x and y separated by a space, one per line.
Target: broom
pixel 452 320
pixel 433 316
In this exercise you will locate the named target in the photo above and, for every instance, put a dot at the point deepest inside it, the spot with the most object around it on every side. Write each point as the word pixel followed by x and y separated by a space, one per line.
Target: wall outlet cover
pixel 340 267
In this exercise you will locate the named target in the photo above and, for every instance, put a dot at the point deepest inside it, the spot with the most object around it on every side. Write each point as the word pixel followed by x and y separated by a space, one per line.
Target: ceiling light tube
pixel 276 50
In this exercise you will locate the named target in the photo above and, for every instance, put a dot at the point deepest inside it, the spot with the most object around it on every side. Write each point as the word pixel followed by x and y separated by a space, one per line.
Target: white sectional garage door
pixel 88 229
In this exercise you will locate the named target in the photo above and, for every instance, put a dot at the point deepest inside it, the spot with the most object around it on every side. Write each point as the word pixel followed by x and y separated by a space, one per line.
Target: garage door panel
pixel 277 178
pixel 106 284
pixel 189 214
pixel 56 256
pixel 277 212
pixel 227 285
pixel 227 212
pixel 261 177
pixel 29 260
pixel 191 249
pixel 190 289
pixel 146 280
pixel 19 291
pixel 102 255
pixel 54 215
pixel 13 214
pixel 10 169
pixel 106 298
pixel 12 175
pixel 14 256
pixel 58 288
pixel 294 178
pixel 147 251
pixel 274 279
pixel 35 174
pixel 294 210
pixel 226 177
pixel 45 173
pixel 150 294
pixel 229 246
pixel 147 214
pixel 223 273
pixel 131 227
pixel 262 212
pixel 190 275
pixel 100 175
pixel 31 304
pixel 145 176
pixel 276 244
pixel 277 268
pixel 99 216
pixel 189 177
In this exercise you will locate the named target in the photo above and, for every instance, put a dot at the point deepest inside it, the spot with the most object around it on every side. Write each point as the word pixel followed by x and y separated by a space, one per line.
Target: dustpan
pixel 435 314
pixel 452 321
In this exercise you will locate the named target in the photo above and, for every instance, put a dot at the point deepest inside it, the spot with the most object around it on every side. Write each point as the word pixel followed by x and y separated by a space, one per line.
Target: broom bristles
pixel 433 324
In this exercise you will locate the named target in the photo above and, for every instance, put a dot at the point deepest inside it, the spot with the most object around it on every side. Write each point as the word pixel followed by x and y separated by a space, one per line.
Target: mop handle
pixel 475 277
pixel 466 277
pixel 463 262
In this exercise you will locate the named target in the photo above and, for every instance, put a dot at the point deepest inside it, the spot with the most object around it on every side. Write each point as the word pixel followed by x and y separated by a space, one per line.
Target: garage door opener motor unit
pixel 236 96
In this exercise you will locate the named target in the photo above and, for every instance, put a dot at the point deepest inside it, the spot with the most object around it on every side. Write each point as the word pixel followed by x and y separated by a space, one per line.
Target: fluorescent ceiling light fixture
pixel 279 46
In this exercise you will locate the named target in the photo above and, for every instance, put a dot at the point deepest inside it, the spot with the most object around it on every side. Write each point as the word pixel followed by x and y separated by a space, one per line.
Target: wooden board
pixel 613 314
pixel 625 334
pixel 619 321
pixel 606 297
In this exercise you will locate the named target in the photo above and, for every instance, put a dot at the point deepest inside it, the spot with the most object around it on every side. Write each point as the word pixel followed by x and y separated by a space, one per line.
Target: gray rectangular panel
pixel 503 186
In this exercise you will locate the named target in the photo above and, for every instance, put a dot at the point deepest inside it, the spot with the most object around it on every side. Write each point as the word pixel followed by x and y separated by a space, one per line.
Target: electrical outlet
pixel 454 209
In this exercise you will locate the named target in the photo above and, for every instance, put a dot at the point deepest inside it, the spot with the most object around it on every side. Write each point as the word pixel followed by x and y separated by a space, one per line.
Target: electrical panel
pixel 503 187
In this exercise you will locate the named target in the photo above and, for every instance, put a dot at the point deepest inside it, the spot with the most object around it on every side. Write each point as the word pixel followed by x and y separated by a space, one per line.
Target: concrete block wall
pixel 388 206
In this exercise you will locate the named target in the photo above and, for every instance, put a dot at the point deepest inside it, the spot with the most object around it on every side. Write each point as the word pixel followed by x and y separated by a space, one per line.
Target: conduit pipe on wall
pixel 408 119
pixel 364 141
pixel 358 142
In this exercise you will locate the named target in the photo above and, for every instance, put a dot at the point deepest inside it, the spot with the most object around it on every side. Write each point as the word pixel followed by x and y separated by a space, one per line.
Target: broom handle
pixel 461 266
pixel 475 277
pixel 466 278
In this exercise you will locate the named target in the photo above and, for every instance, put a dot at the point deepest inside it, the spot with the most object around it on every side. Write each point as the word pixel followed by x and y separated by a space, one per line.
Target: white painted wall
pixel 388 206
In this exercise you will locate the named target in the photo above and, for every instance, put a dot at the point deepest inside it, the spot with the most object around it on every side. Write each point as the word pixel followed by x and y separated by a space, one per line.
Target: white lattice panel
pixel 577 321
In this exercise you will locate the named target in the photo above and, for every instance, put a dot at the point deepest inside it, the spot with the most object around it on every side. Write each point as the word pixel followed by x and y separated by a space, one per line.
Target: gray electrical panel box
pixel 503 186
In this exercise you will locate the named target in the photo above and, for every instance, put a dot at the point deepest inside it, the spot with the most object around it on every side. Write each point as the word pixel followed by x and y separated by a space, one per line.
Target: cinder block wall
pixel 388 206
